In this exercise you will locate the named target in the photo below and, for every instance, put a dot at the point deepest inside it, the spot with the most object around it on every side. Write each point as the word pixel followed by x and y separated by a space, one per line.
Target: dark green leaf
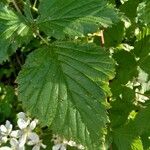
pixel 114 36
pixel 143 12
pixel 61 86
pixel 74 18
pixel 130 8
pixel 126 138
pixel 127 66
pixel 142 50
pixel 142 121
pixel 14 32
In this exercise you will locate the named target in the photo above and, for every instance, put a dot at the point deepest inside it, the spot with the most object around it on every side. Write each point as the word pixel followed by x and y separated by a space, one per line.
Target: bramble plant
pixel 81 67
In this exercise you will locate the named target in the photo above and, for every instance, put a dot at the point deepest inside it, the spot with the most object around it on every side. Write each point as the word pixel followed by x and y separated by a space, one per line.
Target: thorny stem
pixel 16 6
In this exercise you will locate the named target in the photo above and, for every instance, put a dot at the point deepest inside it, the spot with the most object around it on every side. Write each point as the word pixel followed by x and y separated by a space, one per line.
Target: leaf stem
pixel 16 6
pixel 46 42
pixel 102 38
pixel 34 5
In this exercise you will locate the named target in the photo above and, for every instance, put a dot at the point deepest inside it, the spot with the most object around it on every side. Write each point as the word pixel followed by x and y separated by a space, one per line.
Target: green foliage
pixel 53 62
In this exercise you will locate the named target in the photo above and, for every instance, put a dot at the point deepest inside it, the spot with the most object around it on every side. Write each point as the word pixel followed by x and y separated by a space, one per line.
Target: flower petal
pixel 34 137
pixel 43 146
pixel 9 126
pixel 33 124
pixel 21 148
pixel 5 148
pixel 22 124
pixel 59 147
pixel 13 142
pixel 4 139
pixel 36 147
pixel 3 129
pixel 22 140
pixel 21 115
pixel 15 134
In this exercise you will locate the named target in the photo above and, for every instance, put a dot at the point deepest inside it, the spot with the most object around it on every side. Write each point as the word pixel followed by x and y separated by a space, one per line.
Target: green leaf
pixel 7 98
pixel 146 141
pixel 122 105
pixel 74 18
pixel 142 47
pixel 142 50
pixel 142 121
pixel 64 87
pixel 144 32
pixel 129 8
pixel 127 66
pixel 14 32
pixel 114 36
pixel 126 138
pixel 143 12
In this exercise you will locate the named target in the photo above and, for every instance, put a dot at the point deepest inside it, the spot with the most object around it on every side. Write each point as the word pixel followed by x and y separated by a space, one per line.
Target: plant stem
pixel 16 6
pixel 34 5
pixel 102 38
pixel 46 42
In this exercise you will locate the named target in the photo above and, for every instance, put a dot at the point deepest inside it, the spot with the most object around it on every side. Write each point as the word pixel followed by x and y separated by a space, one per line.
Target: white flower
pixel 23 121
pixel 18 138
pixel 70 143
pixel 80 147
pixel 15 134
pixel 15 145
pixel 26 126
pixel 34 140
pixel 5 131
pixel 56 139
pixel 59 147
pixel 60 144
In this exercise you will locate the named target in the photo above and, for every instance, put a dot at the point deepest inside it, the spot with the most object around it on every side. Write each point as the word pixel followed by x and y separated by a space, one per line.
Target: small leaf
pixel 14 32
